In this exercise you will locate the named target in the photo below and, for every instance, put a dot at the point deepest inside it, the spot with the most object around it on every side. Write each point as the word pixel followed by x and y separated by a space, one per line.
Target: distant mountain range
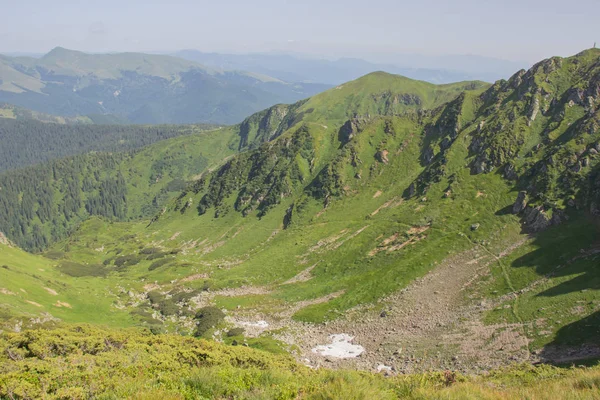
pixel 141 88
pixel 297 68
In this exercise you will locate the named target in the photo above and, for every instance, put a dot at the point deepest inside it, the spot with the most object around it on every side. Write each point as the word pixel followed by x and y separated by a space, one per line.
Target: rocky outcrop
pixel 536 219
pixel 534 110
pixel 382 156
pixel 576 96
pixel 427 156
pixel 351 128
pixel 287 218
pixel 520 203
pixel 510 172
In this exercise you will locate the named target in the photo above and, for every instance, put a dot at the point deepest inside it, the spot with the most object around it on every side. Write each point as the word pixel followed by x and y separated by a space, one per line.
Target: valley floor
pixel 436 323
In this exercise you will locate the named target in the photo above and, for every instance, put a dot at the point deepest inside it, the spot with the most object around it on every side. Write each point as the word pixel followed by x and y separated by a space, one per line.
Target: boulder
pixel 382 156
pixel 536 219
pixel 520 203
pixel 510 173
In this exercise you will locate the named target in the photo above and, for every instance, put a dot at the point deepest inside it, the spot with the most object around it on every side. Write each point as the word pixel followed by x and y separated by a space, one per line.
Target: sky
pixel 377 30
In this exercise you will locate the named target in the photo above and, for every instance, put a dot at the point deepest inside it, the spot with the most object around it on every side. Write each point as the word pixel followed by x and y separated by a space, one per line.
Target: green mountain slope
pixel 141 88
pixel 442 227
pixel 44 202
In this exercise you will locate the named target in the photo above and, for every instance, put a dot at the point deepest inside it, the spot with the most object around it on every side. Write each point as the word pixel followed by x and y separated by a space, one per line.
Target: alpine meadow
pixel 170 230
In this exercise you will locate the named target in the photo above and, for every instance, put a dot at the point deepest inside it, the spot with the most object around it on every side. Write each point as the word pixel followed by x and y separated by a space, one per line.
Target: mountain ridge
pixel 145 88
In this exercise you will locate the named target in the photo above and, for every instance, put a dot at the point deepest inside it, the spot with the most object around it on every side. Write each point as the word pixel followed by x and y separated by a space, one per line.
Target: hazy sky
pixel 511 29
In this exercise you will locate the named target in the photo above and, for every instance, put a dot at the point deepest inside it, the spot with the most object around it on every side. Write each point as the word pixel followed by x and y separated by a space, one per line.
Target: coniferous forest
pixel 27 141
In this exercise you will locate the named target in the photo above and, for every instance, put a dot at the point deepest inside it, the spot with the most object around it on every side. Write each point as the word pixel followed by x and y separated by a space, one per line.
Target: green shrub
pixel 183 297
pixel 150 250
pixel 176 185
pixel 54 255
pixel 208 318
pixel 80 270
pixel 126 261
pixel 155 297
pixel 159 263
pixel 157 255
pixel 168 307
pixel 235 332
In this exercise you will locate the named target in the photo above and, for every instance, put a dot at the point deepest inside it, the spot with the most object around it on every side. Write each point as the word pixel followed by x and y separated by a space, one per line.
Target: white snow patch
pixel 340 347
pixel 257 324
pixel 382 367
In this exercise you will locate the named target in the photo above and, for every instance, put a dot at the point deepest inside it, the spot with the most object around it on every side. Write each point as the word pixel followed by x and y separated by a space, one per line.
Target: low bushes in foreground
pixel 82 361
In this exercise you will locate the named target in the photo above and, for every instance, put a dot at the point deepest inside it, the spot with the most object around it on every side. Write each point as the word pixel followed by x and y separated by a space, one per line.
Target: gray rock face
pixel 352 127
pixel 427 156
pixel 520 203
pixel 510 173
pixel 534 110
pixel 479 166
pixel 445 143
pixel 576 95
pixel 412 190
pixel 536 219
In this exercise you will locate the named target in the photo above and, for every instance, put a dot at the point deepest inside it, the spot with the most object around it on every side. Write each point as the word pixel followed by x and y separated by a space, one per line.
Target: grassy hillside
pixel 444 227
pixel 140 88
pixel 10 111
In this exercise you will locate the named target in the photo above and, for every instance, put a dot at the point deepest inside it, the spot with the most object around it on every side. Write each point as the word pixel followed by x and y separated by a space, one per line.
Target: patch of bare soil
pixel 302 276
pixel 51 291
pixel 397 241
pixel 395 202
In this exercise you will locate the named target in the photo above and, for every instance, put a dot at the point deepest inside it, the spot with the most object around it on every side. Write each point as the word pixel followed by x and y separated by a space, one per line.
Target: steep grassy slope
pixel 34 286
pixel 142 88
